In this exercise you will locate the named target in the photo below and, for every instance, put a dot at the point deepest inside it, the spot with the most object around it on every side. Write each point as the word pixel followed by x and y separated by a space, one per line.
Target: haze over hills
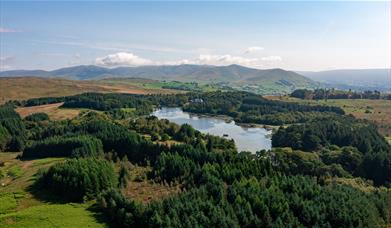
pixel 358 79
pixel 262 81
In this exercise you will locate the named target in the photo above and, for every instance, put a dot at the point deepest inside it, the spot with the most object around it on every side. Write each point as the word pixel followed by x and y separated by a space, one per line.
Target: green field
pixel 20 207
pixel 163 86
pixel 53 215
pixel 8 202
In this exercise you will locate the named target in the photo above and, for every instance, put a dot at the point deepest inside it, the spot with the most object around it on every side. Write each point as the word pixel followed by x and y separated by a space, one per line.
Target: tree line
pixel 324 94
pixel 74 146
pixel 249 108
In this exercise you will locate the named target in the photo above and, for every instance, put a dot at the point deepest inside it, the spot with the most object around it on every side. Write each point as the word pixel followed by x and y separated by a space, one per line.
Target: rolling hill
pixel 269 81
pixel 356 79
pixel 20 88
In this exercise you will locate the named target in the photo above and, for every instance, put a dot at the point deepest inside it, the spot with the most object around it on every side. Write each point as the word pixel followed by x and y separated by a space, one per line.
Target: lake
pixel 246 138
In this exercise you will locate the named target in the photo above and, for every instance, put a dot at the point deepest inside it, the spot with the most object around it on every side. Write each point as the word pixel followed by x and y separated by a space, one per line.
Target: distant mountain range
pixel 270 81
pixel 361 79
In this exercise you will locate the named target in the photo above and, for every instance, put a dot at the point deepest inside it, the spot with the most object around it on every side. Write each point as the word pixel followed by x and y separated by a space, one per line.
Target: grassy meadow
pixel 160 86
pixel 52 215
pixel 22 206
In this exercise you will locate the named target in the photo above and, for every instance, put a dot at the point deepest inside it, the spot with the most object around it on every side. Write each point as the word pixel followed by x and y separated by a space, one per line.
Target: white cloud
pixel 122 59
pixel 253 49
pixel 273 58
pixel 225 60
pixel 176 62
pixel 5 30
pixel 218 60
pixel 129 59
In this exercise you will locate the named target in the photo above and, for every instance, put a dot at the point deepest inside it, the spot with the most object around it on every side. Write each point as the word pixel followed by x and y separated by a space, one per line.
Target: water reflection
pixel 246 139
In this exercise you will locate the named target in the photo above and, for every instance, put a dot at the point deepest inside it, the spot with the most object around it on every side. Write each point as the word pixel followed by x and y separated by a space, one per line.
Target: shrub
pixel 40 116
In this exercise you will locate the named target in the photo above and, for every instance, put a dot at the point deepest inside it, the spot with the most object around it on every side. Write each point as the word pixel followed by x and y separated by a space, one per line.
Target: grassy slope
pixel 20 207
pixel 53 110
pixel 19 175
pixel 29 87
pixel 21 88
pixel 153 85
pixel 56 215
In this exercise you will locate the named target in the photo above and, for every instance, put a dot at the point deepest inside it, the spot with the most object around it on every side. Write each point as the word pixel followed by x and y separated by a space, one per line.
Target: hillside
pixel 356 79
pixel 269 81
pixel 20 88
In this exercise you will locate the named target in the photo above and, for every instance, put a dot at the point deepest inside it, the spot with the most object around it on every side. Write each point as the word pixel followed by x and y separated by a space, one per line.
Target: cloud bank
pixel 225 60
pixel 130 59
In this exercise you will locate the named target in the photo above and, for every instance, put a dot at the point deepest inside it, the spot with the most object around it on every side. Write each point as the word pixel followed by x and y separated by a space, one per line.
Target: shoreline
pixel 229 119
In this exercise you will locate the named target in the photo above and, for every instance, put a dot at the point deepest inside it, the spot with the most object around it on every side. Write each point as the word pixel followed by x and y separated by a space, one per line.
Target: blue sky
pixel 289 35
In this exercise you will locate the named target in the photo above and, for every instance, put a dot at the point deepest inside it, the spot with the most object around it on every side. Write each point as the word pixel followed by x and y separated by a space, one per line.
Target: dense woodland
pixel 78 178
pixel 12 129
pixel 250 108
pixel 75 146
pixel 372 156
pixel 324 94
pixel 290 185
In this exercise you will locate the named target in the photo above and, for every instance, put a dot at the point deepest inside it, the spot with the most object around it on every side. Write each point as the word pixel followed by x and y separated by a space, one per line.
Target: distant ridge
pixel 275 80
pixel 357 79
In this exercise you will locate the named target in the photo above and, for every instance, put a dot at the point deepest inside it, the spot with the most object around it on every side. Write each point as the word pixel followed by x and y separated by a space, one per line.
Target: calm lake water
pixel 246 139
